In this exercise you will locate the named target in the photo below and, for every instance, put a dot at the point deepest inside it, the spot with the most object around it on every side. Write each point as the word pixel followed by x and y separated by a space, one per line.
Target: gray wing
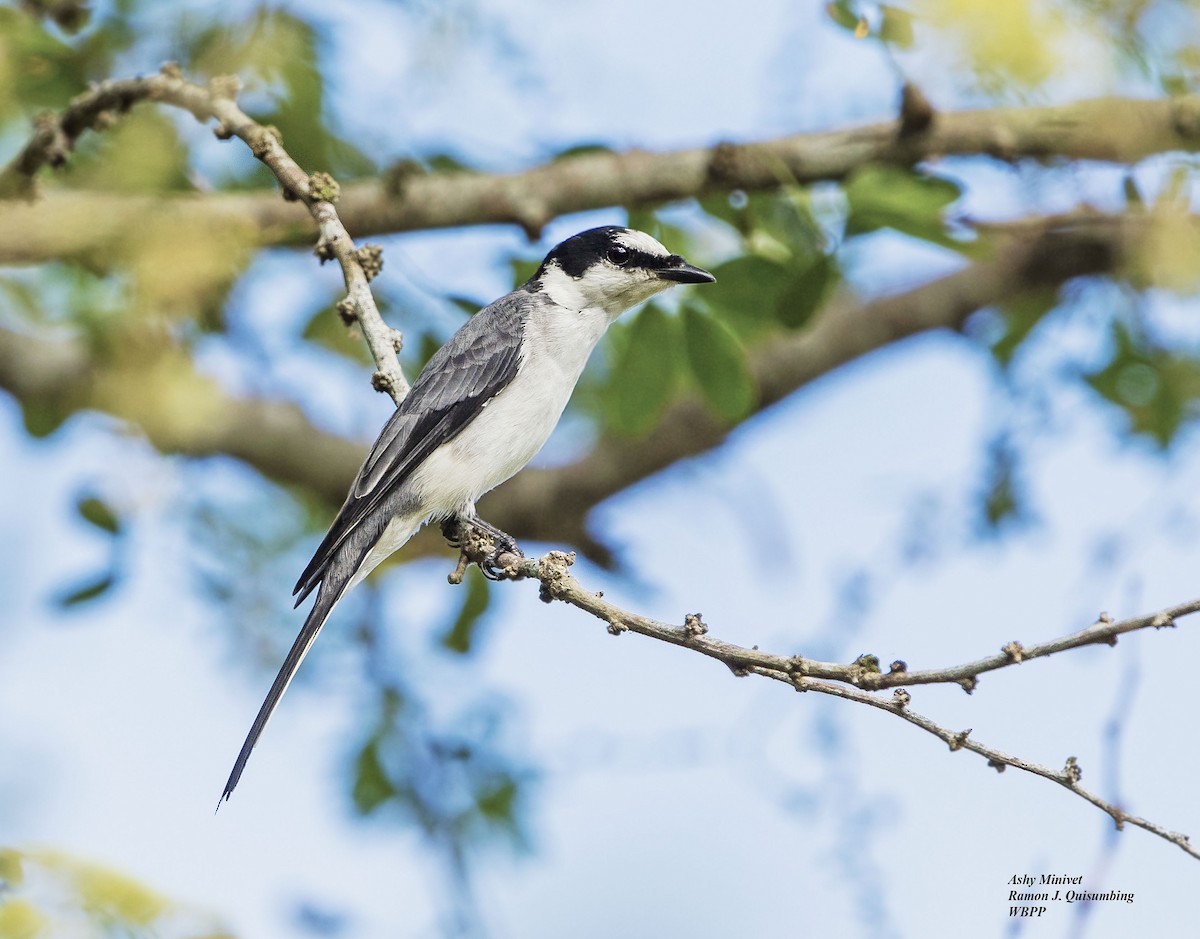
pixel 477 363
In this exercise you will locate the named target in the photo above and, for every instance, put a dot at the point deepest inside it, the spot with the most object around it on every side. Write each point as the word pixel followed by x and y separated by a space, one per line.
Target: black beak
pixel 678 270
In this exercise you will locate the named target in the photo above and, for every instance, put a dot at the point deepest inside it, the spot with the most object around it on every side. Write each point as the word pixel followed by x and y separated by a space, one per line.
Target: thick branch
pixel 552 505
pixel 178 410
pixel 853 682
pixel 1121 130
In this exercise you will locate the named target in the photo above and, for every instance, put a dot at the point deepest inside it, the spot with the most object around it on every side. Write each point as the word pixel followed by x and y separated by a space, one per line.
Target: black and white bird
pixel 478 412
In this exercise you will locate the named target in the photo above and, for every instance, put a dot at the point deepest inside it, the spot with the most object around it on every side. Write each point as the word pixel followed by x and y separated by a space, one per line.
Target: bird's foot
pixel 501 561
pixel 494 551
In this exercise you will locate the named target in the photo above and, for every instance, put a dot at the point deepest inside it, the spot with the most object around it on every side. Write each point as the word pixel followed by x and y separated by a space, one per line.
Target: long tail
pixel 327 598
pixel 367 546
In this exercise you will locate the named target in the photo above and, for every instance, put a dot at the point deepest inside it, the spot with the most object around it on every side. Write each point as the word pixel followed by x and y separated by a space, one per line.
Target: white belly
pixel 514 424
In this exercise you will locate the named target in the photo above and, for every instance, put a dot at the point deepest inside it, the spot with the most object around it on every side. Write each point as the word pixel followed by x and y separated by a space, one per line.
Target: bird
pixel 480 409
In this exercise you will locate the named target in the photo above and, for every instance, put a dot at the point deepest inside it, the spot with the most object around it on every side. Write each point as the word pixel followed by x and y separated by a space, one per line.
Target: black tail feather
pixel 326 599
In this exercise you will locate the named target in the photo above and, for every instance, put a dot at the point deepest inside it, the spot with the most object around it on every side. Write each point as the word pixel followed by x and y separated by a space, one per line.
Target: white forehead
pixel 639 241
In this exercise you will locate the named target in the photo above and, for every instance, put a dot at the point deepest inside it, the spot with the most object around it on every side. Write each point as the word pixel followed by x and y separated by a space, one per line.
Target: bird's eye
pixel 619 255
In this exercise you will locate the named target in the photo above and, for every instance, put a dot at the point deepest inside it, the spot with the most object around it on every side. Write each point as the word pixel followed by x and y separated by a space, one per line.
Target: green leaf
pixel 498 803
pixel 1001 497
pixel 729 207
pixel 372 787
pixel 276 52
pixel 41 71
pixel 896 26
pixel 86 591
pixel 1021 315
pixel 844 14
pixel 747 292
pixel 522 270
pixel 445 163
pixel 326 328
pixel 644 371
pixel 43 417
pixel 583 149
pixel 97 512
pixel 1157 390
pixel 459 636
pixel 1133 195
pixel 911 203
pixel 719 365
pixel 807 292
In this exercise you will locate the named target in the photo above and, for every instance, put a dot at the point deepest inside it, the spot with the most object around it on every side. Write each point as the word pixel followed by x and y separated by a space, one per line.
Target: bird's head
pixel 612 269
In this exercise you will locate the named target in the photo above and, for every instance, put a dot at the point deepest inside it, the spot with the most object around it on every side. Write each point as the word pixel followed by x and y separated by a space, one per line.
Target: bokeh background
pixel 467 760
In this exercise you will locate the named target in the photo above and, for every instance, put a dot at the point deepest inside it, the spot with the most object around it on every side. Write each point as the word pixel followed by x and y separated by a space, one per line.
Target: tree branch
pixel 552 505
pixel 55 138
pixel 178 410
pixel 863 676
pixel 1120 130
pixel 1068 777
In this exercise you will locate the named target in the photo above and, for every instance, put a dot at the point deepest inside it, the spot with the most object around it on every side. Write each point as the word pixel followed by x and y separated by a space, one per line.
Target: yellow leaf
pixel 1169 255
pixel 110 895
pixel 11 872
pixel 20 919
pixel 1006 40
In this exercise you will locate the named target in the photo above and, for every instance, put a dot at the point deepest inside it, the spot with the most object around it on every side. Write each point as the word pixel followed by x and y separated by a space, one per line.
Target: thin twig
pixel 851 682
pixel 551 570
pixel 1068 777
pixel 56 135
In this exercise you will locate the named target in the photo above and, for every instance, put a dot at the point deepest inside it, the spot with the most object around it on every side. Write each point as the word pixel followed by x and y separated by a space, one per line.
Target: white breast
pixel 514 424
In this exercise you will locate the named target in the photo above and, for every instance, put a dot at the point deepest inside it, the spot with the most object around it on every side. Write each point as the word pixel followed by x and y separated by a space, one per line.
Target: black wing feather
pixel 463 375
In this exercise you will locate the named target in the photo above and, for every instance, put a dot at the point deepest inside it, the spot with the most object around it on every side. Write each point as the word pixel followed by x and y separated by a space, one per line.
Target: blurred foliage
pixel 461 634
pixel 139 153
pixel 102 517
pixel 276 55
pixel 39 70
pixel 454 783
pixel 1015 43
pixel 52 895
pixel 326 328
pixel 1018 318
pixel 647 365
pixel 911 203
pixel 1156 389
pixel 882 21
pixel 1002 502
pixel 1013 48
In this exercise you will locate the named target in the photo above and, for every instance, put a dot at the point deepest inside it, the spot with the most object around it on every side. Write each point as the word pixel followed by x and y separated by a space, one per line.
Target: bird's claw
pixel 491 549
pixel 498 564
pixel 452 531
